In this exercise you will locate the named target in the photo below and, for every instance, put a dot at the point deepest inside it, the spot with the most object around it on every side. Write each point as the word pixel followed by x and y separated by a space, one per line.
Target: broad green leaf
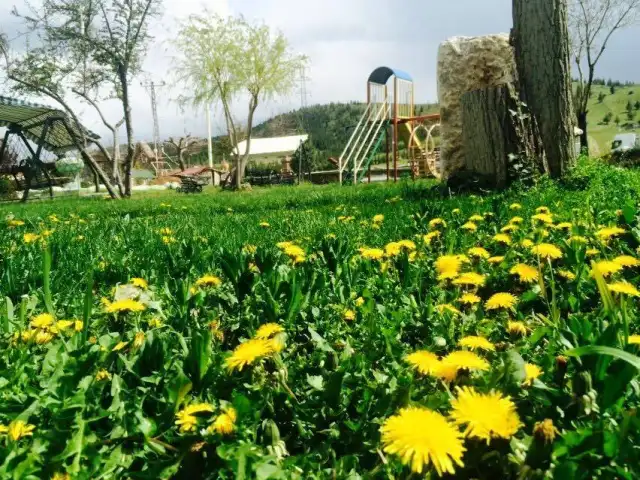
pixel 602 350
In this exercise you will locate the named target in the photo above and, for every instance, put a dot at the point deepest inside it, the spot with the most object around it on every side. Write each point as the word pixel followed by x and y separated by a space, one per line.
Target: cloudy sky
pixel 344 39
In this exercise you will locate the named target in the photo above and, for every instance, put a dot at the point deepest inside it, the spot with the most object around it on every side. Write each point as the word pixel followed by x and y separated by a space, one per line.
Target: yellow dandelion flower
pixel 437 222
pixel 532 372
pixel 378 218
pixel 486 416
pixel 407 245
pixel 470 226
pixel 470 299
pixel 592 252
pixel 543 210
pixel 62 325
pixel 61 476
pixel 372 253
pixel 463 359
pixel 224 424
pixel 624 288
pixel 249 249
pixel 478 252
pixel 15 223
pixel 30 237
pixel 138 339
pixel 359 302
pixel 428 238
pixel 19 429
pixel 476 218
pixel 470 279
pixel 392 249
pixel 526 273
pixel 543 218
pixel 348 315
pixel 567 275
pixel 502 238
pixel 423 361
pixel 526 243
pixel 494 260
pixel 420 438
pixel 268 330
pixel 516 220
pixel 517 328
pixel 515 206
pixel 155 322
pixel 605 267
pixel 249 352
pixel 564 226
pixel 634 339
pixel 545 431
pixel 78 325
pixel 264 224
pixel 42 337
pixel 208 281
pixel 448 266
pixel 139 282
pixel 455 211
pixel 627 261
pixel 43 321
pixel 167 240
pixel 125 305
pixel 477 343
pixel 509 228
pixel 501 300
pixel 609 232
pixel 546 250
pixel 102 375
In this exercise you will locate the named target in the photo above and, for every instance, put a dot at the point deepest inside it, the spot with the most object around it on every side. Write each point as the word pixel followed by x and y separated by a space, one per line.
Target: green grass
pixel 104 396
pixel 615 104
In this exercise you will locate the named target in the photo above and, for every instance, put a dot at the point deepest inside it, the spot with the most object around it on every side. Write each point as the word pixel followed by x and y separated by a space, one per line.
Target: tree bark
pixel 541 41
pixel 244 159
pixel 128 163
pixel 494 131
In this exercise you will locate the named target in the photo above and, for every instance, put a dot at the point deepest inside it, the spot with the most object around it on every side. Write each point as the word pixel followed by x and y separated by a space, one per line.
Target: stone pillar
pixel 466 64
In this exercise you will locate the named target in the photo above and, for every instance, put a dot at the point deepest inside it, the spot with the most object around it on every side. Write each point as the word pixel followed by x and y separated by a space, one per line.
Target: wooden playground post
pixel 395 129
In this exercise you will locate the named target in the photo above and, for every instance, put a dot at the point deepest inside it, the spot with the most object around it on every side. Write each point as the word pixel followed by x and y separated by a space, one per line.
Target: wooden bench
pixel 191 185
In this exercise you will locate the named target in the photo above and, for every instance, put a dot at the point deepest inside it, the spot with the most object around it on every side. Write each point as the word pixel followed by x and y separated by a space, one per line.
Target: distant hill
pixel 329 126
pixel 602 104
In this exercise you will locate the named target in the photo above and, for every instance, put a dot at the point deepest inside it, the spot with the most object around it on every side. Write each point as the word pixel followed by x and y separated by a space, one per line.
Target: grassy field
pixel 615 104
pixel 385 331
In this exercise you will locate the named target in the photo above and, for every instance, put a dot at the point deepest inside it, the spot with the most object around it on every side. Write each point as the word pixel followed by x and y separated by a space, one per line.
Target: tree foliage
pixel 227 59
pixel 88 48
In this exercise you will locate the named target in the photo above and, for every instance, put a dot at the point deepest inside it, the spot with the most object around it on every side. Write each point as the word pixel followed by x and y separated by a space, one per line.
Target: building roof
pixel 381 75
pixel 29 118
pixel 262 146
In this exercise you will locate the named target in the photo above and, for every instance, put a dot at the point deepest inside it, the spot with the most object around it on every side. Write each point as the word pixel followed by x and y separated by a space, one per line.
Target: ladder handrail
pixel 382 109
pixel 364 156
pixel 356 132
pixel 370 155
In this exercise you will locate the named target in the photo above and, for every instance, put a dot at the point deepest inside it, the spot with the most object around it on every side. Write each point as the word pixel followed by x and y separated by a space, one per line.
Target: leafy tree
pixel 592 24
pixel 89 45
pixel 601 97
pixel 612 89
pixel 305 158
pixel 181 146
pixel 637 105
pixel 631 115
pixel 607 118
pixel 223 59
pixel 617 120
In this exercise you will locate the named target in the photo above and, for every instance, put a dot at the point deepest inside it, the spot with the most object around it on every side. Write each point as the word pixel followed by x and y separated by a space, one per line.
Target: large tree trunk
pixel 128 163
pixel 242 160
pixel 495 131
pixel 541 40
pixel 93 165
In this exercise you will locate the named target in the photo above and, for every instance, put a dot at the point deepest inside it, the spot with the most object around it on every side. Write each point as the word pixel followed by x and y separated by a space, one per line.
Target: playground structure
pixel 389 117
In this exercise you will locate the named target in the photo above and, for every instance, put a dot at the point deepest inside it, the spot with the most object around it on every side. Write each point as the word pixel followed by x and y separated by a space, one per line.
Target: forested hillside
pixel 328 126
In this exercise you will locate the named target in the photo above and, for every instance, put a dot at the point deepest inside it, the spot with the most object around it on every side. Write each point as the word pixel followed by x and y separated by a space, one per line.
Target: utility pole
pixel 209 143
pixel 151 86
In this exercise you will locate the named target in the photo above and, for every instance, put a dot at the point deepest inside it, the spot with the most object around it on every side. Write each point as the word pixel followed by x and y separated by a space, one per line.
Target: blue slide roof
pixel 381 75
